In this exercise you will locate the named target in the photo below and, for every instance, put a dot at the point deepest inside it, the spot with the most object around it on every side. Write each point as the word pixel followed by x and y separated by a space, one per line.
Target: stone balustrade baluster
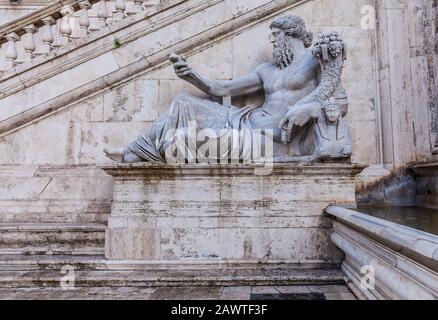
pixel 138 5
pixel 65 29
pixel 47 34
pixel 120 10
pixel 11 54
pixel 28 42
pixel 84 20
pixel 57 43
pixel 102 13
pixel 55 33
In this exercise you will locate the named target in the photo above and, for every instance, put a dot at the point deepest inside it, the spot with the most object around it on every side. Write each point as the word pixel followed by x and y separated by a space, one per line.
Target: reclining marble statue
pixel 292 123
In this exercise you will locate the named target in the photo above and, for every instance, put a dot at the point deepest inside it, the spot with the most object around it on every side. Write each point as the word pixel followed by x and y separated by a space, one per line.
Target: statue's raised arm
pixel 330 51
pixel 246 84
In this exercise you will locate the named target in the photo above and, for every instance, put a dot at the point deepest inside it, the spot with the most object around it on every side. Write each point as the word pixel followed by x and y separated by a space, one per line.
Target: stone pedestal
pixel 227 212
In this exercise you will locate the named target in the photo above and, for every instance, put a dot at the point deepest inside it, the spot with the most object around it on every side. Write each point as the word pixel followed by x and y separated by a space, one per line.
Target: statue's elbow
pixel 219 91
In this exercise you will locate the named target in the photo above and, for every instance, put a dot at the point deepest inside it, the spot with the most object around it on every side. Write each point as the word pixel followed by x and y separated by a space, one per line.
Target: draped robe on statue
pixel 187 111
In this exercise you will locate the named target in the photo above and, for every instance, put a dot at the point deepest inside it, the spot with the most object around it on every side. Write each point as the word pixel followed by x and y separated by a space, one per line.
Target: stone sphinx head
pixel 288 33
pixel 331 111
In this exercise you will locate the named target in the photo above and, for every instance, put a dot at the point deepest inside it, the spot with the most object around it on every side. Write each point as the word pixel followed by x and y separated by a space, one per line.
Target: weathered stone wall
pixel 78 134
pixel 164 212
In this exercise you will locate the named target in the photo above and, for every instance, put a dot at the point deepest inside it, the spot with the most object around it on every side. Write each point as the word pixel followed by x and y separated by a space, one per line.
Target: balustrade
pixel 63 23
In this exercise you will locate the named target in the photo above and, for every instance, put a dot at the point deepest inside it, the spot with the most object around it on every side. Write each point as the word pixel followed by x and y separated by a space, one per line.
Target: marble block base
pixel 226 212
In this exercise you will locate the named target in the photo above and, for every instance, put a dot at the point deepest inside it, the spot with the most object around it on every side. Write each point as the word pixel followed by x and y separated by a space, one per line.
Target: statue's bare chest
pixel 293 78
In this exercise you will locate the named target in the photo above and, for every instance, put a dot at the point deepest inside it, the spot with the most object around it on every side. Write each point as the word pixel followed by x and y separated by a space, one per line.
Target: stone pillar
pixel 407 80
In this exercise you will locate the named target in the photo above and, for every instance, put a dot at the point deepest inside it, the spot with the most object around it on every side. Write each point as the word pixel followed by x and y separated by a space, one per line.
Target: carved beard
pixel 283 53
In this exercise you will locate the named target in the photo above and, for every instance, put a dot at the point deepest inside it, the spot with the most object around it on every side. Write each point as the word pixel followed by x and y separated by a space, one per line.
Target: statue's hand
pixel 181 66
pixel 298 115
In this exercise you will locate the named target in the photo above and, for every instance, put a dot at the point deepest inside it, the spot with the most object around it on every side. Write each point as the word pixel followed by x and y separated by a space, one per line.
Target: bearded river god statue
pixel 297 85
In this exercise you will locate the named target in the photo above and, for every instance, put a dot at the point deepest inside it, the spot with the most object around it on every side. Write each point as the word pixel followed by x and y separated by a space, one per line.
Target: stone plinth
pixel 226 212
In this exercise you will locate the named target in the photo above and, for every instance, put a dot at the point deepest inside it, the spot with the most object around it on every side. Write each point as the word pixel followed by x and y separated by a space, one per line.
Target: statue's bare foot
pixel 116 154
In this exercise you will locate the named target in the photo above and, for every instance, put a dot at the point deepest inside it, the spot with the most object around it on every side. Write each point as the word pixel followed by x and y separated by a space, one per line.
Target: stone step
pixel 330 292
pixel 17 262
pixel 95 271
pixel 51 217
pixel 166 278
pixel 99 262
pixel 52 238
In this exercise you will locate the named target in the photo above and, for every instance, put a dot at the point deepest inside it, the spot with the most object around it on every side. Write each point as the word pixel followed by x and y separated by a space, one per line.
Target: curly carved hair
pixel 294 26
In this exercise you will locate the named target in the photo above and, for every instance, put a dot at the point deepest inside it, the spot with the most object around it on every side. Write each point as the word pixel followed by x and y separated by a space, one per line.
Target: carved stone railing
pixel 385 260
pixel 59 23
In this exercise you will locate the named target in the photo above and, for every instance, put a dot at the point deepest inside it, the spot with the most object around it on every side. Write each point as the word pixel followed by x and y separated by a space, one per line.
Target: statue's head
pixel 287 33
pixel 331 111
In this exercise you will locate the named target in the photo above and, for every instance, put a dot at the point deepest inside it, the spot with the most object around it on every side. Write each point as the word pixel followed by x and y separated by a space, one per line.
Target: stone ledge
pixel 396 277
pixel 55 238
pixel 98 262
pixel 52 251
pixel 414 244
pixel 315 169
pixel 425 168
pixel 164 278
pixel 51 227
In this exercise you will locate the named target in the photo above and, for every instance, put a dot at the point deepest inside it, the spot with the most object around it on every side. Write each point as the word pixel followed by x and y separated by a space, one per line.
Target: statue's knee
pixel 181 135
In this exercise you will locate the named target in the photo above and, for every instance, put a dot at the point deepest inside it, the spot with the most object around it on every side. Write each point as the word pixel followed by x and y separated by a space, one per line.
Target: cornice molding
pixel 127 171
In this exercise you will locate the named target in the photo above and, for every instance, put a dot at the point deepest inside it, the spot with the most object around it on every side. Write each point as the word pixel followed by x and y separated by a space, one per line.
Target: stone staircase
pixel 52 239
pixel 53 211
pixel 95 271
